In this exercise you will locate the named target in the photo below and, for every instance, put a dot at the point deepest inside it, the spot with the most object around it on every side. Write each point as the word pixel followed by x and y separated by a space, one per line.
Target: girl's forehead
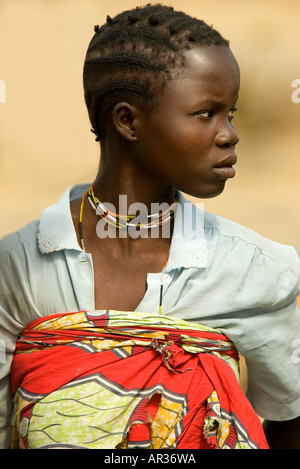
pixel 210 61
pixel 206 70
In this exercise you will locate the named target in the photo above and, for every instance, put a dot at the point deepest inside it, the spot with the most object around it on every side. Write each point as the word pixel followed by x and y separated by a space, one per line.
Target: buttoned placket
pixel 81 270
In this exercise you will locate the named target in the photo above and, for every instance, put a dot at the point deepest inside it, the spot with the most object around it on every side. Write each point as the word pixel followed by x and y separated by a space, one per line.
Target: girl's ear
pixel 124 118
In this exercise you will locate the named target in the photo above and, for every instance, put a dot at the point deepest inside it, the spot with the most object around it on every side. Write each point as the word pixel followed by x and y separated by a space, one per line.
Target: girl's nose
pixel 227 136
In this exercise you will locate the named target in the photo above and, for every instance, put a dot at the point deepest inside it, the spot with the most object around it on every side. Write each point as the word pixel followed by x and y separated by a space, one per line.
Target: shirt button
pixel 166 278
pixel 196 257
pixel 46 243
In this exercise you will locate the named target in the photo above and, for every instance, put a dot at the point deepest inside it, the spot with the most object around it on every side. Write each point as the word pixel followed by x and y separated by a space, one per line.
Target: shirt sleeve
pixel 271 346
pixel 8 334
pixel 10 325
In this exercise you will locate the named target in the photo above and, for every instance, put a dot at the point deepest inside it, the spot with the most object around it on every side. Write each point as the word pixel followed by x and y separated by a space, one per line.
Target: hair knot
pixel 97 138
pixel 153 20
pixel 172 30
pixel 132 19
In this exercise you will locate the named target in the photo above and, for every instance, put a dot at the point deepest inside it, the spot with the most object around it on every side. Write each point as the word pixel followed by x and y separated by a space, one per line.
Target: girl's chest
pixel 121 284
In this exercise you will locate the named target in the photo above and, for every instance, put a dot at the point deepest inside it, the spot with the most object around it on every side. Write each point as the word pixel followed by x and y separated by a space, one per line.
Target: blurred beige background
pixel 45 138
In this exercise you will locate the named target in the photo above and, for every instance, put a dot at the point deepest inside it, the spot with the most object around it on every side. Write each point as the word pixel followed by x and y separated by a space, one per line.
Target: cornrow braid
pixel 131 57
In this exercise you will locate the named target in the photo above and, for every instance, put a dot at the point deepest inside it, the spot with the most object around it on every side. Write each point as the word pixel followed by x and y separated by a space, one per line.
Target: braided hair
pixel 131 57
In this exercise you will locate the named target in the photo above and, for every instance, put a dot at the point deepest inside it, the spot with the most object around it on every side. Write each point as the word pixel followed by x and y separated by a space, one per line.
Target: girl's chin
pixel 209 193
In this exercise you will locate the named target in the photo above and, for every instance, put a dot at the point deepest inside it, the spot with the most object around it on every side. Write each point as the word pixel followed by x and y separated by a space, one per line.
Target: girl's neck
pixel 124 185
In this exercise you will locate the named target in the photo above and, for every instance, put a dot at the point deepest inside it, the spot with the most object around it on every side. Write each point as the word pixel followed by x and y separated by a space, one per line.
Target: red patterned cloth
pixel 108 379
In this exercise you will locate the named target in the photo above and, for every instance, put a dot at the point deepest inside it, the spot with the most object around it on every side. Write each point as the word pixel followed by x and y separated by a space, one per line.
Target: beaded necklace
pixel 127 221
pixel 90 194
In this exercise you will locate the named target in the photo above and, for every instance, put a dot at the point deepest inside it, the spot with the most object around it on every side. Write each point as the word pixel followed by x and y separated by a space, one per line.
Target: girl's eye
pixel 206 114
pixel 231 112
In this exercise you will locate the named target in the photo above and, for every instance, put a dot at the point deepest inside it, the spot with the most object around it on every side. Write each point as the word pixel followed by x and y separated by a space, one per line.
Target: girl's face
pixel 189 141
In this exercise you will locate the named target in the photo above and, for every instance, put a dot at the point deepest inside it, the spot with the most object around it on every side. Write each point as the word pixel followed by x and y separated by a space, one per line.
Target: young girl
pixel 124 307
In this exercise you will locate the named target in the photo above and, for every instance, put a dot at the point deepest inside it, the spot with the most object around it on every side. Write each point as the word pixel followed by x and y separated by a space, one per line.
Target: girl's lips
pixel 226 171
pixel 225 168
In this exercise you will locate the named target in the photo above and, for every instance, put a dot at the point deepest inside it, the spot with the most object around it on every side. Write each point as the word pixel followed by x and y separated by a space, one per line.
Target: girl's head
pixel 161 89
pixel 133 55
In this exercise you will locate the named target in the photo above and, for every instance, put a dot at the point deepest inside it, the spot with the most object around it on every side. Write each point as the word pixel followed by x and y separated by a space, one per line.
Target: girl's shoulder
pixel 230 233
pixel 15 243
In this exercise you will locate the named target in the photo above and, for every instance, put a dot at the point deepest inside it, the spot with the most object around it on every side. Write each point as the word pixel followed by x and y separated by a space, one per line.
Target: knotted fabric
pixel 111 379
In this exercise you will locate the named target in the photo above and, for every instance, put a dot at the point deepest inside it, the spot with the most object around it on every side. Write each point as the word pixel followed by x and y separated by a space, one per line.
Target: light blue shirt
pixel 222 275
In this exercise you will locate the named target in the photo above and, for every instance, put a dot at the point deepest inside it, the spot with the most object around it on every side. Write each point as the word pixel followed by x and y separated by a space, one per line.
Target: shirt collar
pixel 56 228
pixel 188 246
